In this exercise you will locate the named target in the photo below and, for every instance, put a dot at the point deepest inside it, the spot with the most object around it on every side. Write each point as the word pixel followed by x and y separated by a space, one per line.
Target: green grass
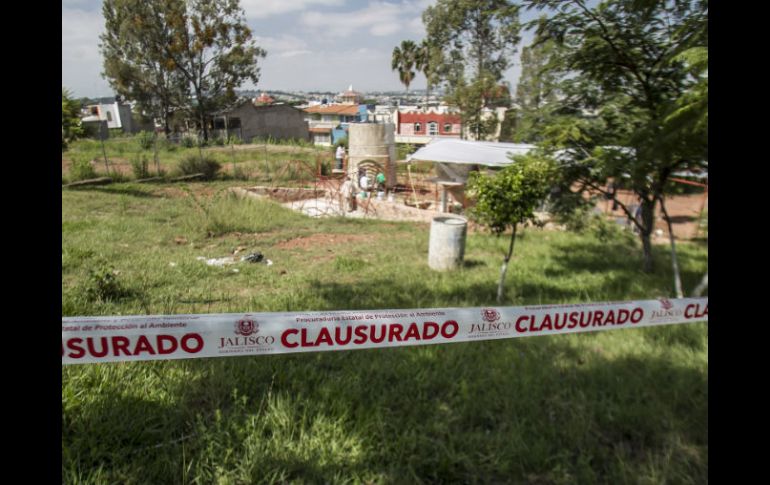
pixel 269 162
pixel 627 406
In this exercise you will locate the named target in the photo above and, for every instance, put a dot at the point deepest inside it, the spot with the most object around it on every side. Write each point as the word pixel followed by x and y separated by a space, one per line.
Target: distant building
pixel 328 123
pixel 116 115
pixel 350 96
pixel 486 114
pixel 247 121
pixel 420 128
pixel 263 99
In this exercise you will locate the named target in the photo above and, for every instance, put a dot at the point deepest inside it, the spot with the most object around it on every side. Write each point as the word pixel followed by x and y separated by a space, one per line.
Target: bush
pixel 102 284
pixel 81 169
pixel 218 141
pixel 188 142
pixel 239 173
pixel 576 220
pixel 139 166
pixel 606 230
pixel 234 140
pixel 146 140
pixel 193 164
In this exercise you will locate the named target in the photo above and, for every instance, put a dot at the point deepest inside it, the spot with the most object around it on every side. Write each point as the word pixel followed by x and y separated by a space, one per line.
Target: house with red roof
pixel 421 127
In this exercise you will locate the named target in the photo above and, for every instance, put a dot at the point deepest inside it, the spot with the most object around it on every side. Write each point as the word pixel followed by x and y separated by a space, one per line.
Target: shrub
pixel 102 284
pixel 218 141
pixel 193 164
pixel 139 165
pixel 81 169
pixel 234 140
pixel 609 230
pixel 239 173
pixel 146 140
pixel 188 142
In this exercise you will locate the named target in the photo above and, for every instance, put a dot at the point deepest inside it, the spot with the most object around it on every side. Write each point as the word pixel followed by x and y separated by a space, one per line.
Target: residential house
pixel 115 114
pixel 248 121
pixel 328 123
pixel 420 128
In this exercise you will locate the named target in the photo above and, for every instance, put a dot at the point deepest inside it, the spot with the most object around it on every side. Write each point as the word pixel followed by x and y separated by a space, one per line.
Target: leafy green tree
pixel 204 42
pixel 536 92
pixel 403 60
pixel 625 83
pixel 134 60
pixel 71 127
pixel 477 39
pixel 509 198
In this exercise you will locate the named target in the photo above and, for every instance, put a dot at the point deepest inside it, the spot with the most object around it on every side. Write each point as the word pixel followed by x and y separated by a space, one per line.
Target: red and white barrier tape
pixel 134 338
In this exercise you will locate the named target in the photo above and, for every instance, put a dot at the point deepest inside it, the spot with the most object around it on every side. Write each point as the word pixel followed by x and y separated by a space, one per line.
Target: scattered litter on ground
pixel 217 261
pixel 253 257
pixel 228 260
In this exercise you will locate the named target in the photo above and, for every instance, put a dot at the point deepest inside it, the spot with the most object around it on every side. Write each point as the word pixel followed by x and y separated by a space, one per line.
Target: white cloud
pixel 256 9
pixel 295 53
pixel 379 18
pixel 280 44
pixel 81 60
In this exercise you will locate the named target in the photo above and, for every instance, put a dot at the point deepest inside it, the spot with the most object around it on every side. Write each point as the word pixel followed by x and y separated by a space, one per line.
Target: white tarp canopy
pixel 468 152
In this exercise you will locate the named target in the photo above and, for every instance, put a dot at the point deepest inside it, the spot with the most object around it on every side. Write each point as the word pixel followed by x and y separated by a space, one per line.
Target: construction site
pixel 418 188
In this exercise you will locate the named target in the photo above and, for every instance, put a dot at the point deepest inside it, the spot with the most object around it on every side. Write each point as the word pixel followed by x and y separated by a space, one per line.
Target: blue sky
pixel 311 44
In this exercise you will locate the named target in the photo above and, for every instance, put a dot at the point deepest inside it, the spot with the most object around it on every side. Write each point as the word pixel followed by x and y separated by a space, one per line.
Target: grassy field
pixel 627 406
pixel 259 162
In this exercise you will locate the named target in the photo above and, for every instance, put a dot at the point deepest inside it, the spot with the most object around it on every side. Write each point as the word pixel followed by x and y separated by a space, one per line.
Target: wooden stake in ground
pixel 155 154
pixel 414 193
pixel 104 151
pixel 232 150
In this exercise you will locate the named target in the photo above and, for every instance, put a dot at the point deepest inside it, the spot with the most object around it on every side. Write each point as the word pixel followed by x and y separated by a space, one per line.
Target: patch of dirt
pixel 684 211
pixel 117 164
pixel 322 240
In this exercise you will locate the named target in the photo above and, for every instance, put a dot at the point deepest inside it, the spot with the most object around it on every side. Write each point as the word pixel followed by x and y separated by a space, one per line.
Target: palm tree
pixel 403 60
pixel 425 62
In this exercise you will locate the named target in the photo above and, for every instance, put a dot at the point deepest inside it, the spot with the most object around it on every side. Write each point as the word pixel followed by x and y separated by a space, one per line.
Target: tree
pixel 477 38
pixel 134 60
pixel 71 127
pixel 536 92
pixel 625 83
pixel 427 61
pixel 204 42
pixel 403 60
pixel 509 198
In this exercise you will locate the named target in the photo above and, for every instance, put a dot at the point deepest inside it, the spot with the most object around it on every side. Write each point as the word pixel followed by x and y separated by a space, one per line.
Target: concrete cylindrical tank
pixel 372 141
pixel 447 242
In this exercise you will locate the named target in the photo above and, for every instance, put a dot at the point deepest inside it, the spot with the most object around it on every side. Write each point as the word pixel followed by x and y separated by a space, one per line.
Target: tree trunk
pixel 704 283
pixel 202 115
pixel 504 267
pixel 648 223
pixel 166 127
pixel 674 262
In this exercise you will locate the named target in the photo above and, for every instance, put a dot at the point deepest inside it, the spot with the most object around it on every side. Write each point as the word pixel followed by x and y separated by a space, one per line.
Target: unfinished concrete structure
pixel 375 142
pixel 247 121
